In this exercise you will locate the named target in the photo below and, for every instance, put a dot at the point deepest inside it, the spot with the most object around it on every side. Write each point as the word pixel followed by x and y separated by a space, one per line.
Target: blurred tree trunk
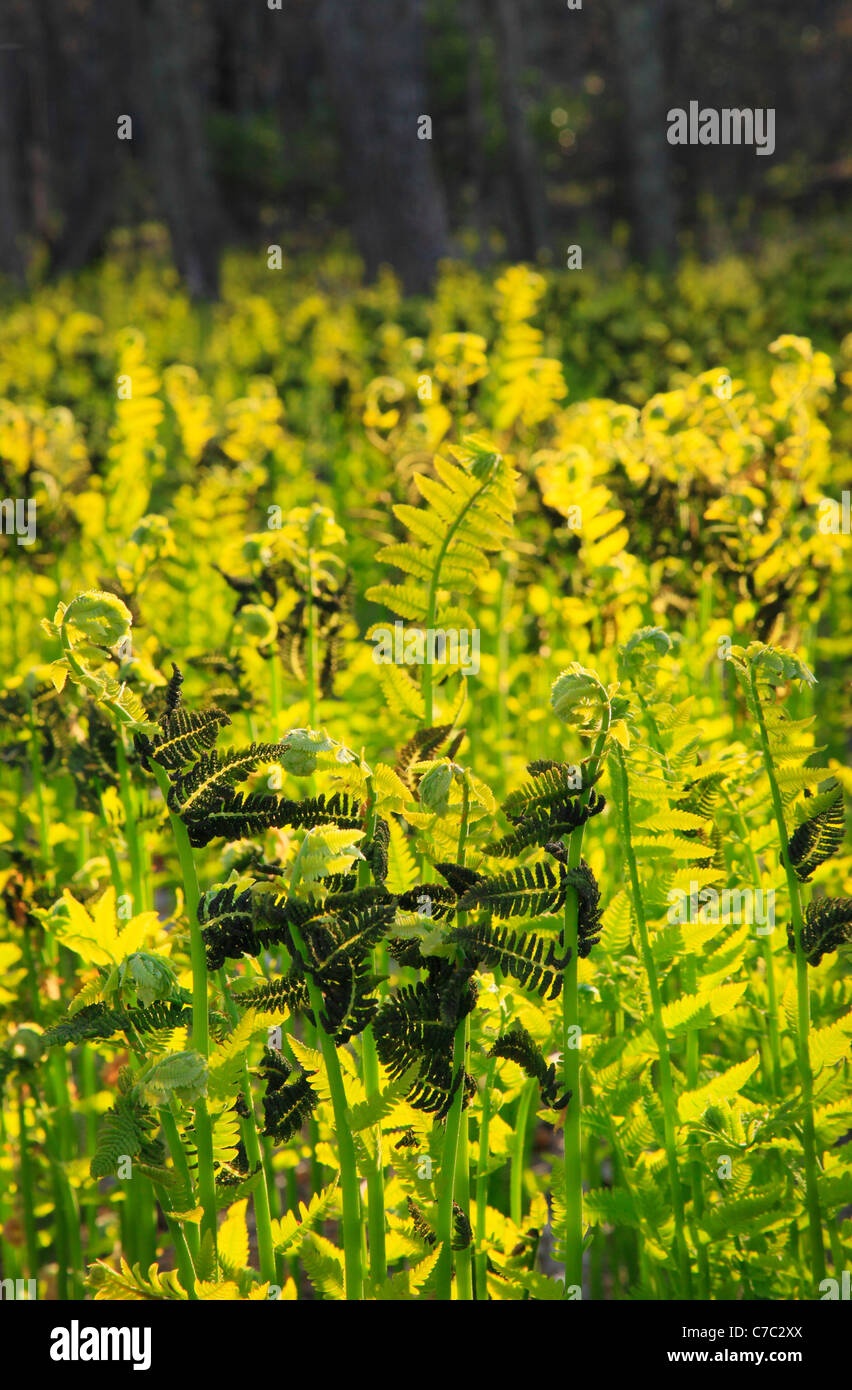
pixel 640 36
pixel 374 63
pixel 11 248
pixel 172 97
pixel 528 204
pixel 79 85
pixel 476 127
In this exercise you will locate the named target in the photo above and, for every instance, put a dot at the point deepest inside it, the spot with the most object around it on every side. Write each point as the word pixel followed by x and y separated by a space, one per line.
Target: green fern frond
pixel 545 823
pixel 827 927
pixel 97 1021
pixel 376 851
pixel 583 881
pixel 287 1103
pixel 195 791
pixel 126 1132
pixel 288 994
pixel 529 959
pixel 518 1046
pixel 819 837
pixel 527 891
pixel 422 747
pixel 184 734
pixel 551 782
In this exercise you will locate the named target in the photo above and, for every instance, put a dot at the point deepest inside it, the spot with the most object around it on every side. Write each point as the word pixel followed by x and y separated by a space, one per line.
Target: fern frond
pixel 518 1046
pixel 820 836
pixel 529 959
pixel 827 927
pixel 551 782
pixel 195 791
pixel 98 1021
pixel 546 822
pixel 423 746
pixel 422 1229
pixel 127 1132
pixel 287 994
pixel 583 881
pixel 184 734
pixel 528 891
pixel 287 1103
pixel 376 852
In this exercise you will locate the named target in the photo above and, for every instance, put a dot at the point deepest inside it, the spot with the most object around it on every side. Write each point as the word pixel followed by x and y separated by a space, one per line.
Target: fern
pixel 127 1131
pixel 819 837
pixel 519 1047
pixel 288 1103
pixel 546 822
pixel 827 927
pixel 522 892
pixel 527 958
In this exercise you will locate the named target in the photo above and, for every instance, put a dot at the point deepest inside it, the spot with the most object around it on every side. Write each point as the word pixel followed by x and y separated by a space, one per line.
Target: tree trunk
pixel 640 34
pixel 174 139
pixel 527 190
pixel 374 63
pixel 11 249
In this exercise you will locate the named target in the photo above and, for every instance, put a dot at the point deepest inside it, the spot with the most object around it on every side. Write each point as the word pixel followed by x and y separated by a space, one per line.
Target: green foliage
pixel 517 1046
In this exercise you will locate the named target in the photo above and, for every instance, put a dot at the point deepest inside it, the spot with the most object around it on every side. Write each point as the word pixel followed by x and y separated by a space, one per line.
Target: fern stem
pixel 572 1136
pixel 769 962
pixel 666 1083
pixel 27 1200
pixel 461 1187
pixel 200 1025
pixel 432 602
pixel 254 1153
pixel 312 644
pixel 481 1258
pixel 183 1258
pixel 695 1166
pixel 260 1196
pixel 370 1068
pixel 349 1189
pixel 345 1146
pixel 519 1152
pixel 130 832
pixel 456 1119
pixel 803 1058
pixel 444 1266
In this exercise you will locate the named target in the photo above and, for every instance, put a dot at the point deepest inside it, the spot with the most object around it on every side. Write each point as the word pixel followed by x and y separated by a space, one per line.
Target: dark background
pixel 254 126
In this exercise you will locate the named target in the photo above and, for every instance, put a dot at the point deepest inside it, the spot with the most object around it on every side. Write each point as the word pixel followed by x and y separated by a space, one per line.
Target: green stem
pixel 27 1188
pixel 658 1026
pixel 815 1236
pixel 370 1068
pixel 312 645
pixel 519 1152
pixel 571 1044
pixel 456 1120
pixel 200 1026
pixel 254 1154
pixel 769 962
pixel 696 1168
pixel 350 1194
pixel 130 832
pixel 432 601
pixel 481 1259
